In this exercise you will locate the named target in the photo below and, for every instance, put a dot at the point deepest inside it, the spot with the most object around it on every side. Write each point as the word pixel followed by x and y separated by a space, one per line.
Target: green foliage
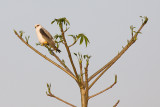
pixel 132 29
pixel 64 21
pixel 58 39
pixel 61 21
pixel 87 57
pixel 21 33
pixel 81 57
pixel 49 88
pixel 134 32
pixel 83 37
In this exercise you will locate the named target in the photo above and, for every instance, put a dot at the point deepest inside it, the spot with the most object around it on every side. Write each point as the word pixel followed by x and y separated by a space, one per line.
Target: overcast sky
pixel 24 74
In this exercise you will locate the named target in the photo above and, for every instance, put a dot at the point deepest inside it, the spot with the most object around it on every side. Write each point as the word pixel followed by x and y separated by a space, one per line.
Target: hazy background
pixel 24 74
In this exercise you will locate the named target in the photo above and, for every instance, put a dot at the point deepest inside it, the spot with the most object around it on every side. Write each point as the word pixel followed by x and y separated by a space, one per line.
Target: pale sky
pixel 24 74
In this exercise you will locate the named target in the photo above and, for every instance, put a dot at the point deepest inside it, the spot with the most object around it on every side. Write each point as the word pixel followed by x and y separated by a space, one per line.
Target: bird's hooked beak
pixel 36 26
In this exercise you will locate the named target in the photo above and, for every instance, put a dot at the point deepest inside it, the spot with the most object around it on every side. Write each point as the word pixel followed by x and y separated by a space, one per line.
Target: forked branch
pixel 51 95
pixel 58 59
pixel 105 89
pixel 100 76
pixel 45 57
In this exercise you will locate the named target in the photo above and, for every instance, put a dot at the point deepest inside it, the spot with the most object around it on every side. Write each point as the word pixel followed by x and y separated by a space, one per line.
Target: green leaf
pixel 47 85
pixel 78 36
pixel 84 56
pixel 86 40
pixel 71 35
pixel 81 40
pixel 67 21
pixel 75 54
pixel 52 21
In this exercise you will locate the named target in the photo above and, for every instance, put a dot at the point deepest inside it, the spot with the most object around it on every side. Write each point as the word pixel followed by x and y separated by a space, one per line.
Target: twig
pixel 45 57
pixel 116 103
pixel 120 54
pixel 51 95
pixel 105 89
pixel 73 43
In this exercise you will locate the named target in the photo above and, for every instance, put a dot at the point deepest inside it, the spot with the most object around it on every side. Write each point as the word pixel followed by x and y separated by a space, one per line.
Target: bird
pixel 45 38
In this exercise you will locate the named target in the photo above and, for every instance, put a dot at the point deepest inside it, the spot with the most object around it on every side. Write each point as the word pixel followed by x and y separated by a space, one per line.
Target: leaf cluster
pixel 133 32
pixel 82 38
pixel 61 21
pixel 21 33
pixel 80 57
pixel 58 39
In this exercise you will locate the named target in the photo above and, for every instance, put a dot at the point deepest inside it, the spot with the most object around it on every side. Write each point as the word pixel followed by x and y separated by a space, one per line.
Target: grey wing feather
pixel 45 33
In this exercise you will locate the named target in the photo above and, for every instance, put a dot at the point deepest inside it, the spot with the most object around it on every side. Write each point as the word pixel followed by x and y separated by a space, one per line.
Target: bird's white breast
pixel 39 35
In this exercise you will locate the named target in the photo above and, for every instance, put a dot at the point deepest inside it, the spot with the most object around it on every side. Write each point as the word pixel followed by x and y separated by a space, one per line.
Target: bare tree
pixel 80 76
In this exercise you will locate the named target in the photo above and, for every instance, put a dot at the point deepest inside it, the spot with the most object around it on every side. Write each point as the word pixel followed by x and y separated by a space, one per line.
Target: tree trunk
pixel 84 98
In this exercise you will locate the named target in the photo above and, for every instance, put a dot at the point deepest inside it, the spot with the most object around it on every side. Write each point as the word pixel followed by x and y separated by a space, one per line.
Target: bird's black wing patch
pixel 43 33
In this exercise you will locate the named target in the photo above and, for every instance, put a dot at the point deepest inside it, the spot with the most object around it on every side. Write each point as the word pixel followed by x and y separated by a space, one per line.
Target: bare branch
pixel 86 81
pixel 45 57
pixel 116 103
pixel 105 89
pixel 69 53
pixel 120 54
pixel 62 63
pixel 100 76
pixel 51 95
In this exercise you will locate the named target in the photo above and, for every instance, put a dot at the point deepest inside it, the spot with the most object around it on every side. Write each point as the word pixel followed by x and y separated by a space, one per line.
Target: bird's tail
pixel 57 50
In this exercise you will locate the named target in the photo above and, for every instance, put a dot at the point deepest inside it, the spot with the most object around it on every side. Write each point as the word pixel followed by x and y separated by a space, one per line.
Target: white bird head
pixel 38 25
